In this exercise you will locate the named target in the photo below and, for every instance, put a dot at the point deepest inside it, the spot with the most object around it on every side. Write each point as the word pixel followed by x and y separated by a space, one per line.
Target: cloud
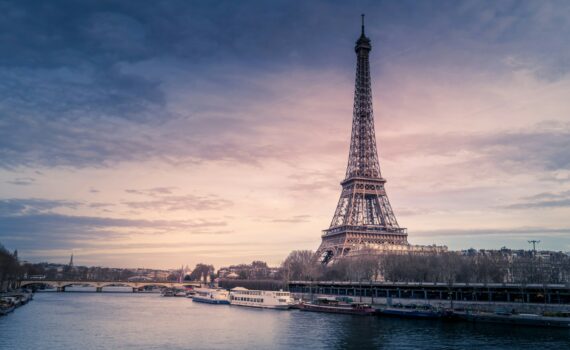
pixel 293 220
pixel 463 95
pixel 183 202
pixel 22 181
pixel 515 231
pixel 18 207
pixel 310 181
pixel 543 200
pixel 100 205
pixel 509 150
pixel 152 191
pixel 164 200
pixel 33 224
pixel 95 84
pixel 35 231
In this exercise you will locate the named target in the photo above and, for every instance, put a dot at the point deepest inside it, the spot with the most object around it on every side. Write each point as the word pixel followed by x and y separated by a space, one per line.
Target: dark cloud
pixel 152 191
pixel 55 231
pixel 543 200
pixel 22 181
pixel 33 224
pixel 511 150
pixel 18 207
pixel 100 205
pixel 87 83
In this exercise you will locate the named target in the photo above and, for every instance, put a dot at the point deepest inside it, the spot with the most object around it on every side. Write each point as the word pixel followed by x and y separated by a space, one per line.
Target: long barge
pixel 336 307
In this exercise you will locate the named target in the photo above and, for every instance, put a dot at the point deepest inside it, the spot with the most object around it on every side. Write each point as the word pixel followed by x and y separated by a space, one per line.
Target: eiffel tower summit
pixel 363 217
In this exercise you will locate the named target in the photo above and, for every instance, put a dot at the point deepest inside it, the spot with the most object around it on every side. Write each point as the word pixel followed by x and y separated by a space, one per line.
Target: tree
pixel 300 265
pixel 202 270
pixel 10 269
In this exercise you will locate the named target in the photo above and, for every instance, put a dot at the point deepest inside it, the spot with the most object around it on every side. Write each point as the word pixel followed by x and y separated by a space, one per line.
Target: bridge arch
pixel 38 283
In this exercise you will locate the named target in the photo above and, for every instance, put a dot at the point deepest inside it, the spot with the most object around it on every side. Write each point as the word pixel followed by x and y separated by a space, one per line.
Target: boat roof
pixel 239 288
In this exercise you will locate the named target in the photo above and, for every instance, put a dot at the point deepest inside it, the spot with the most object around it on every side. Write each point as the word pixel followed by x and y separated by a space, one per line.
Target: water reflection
pixel 148 321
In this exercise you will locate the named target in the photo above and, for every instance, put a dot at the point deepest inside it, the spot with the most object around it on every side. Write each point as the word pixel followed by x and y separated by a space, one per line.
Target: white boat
pixel 261 298
pixel 211 296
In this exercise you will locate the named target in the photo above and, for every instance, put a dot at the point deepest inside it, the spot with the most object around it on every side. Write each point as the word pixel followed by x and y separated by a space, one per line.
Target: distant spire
pixel 71 260
pixel 363 24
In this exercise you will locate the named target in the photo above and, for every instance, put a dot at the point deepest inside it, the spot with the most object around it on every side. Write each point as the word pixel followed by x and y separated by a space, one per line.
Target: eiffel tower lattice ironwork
pixel 363 214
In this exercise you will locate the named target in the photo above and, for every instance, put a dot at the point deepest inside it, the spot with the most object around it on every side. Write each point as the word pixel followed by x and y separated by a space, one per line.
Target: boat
pixel 169 292
pixel 6 306
pixel 6 309
pixel 240 296
pixel 421 313
pixel 337 307
pixel 211 296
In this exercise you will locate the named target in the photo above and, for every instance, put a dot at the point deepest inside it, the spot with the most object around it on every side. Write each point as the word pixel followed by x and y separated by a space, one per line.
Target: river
pixel 76 320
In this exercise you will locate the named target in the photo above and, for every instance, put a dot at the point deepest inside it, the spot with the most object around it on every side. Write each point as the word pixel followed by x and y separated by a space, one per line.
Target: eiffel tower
pixel 363 214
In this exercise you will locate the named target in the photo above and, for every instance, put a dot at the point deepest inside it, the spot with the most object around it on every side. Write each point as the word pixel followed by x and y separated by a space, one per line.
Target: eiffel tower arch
pixel 363 215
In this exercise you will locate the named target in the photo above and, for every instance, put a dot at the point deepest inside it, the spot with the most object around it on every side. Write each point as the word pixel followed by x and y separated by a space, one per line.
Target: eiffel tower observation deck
pixel 363 215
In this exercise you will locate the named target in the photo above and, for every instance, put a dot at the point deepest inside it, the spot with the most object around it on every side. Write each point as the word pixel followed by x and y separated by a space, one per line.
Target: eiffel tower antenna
pixel 363 214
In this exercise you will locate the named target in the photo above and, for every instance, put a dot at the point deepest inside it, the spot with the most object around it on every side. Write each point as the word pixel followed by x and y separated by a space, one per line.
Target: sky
pixel 166 133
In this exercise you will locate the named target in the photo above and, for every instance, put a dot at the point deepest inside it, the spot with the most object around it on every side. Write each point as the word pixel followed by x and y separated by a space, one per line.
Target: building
pixel 364 217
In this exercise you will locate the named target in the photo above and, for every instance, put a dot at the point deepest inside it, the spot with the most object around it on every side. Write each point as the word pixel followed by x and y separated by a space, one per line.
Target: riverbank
pixel 514 314
pixel 478 306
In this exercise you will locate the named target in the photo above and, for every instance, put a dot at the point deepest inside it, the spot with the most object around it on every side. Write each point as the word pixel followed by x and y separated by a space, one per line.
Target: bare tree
pixel 300 265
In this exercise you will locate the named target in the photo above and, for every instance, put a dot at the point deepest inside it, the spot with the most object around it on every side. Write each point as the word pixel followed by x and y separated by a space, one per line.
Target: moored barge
pixel 336 307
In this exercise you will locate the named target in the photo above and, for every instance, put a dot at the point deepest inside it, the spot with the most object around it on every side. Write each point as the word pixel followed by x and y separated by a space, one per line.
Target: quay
pixel 60 285
pixel 477 296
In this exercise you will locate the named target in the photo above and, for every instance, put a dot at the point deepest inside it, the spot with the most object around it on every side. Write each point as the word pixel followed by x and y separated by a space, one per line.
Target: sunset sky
pixel 166 133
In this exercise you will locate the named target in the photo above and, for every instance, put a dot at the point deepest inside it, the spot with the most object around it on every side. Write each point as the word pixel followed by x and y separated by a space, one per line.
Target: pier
pixel 479 295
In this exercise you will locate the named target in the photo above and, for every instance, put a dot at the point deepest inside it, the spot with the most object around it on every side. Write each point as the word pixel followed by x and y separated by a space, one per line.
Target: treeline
pixel 200 272
pixel 51 271
pixel 10 269
pixel 451 267
pixel 58 271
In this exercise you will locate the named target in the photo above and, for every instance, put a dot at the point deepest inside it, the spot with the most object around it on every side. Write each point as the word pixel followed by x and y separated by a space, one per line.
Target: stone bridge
pixel 99 285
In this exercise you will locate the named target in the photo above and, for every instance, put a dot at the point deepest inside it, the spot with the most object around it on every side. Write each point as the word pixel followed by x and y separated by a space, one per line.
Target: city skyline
pixel 176 134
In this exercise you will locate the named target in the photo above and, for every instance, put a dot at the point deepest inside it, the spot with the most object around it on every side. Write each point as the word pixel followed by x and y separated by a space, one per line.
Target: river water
pixel 76 320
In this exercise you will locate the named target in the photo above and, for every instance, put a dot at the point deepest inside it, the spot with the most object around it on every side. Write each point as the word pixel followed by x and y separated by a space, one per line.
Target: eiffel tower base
pixel 336 246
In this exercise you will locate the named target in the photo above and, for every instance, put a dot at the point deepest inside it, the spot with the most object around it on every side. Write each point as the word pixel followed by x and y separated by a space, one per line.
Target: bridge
pixel 99 285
